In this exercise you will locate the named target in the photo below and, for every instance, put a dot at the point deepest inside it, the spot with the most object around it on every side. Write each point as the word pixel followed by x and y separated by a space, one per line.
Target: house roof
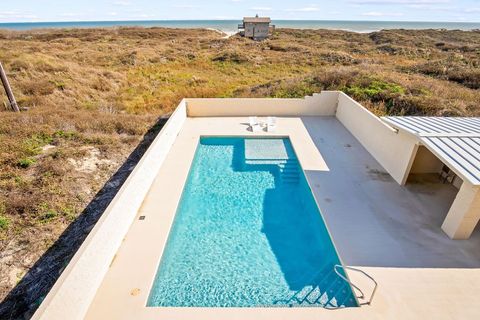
pixel 454 140
pixel 257 20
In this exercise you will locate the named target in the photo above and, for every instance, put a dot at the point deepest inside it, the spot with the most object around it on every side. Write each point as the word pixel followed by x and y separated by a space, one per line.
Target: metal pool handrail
pixel 362 295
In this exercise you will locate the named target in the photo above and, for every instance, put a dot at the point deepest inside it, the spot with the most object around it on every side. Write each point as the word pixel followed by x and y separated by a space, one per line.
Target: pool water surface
pixel 248 233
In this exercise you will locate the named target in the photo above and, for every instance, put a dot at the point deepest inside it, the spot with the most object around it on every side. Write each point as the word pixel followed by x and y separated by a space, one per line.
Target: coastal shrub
pixel 297 87
pixel 48 65
pixel 102 84
pixel 18 65
pixel 4 222
pixel 293 88
pixel 65 134
pixel 465 73
pixel 50 166
pixel 48 215
pixel 338 57
pixel 26 162
pixel 37 87
pixel 33 145
pixel 286 48
pixel 391 49
pixel 468 78
pixel 129 59
pixel 230 56
pixel 336 79
pixel 374 90
pixel 404 105
pixel 60 85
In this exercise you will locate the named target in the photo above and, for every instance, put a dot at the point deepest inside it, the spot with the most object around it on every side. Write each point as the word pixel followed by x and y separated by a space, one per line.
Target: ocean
pixel 230 26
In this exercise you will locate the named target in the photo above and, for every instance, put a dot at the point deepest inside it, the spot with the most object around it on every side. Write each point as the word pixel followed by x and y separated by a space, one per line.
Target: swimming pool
pixel 248 233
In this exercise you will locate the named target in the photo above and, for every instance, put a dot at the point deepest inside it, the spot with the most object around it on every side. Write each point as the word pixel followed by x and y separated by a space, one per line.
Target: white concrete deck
pixel 373 220
pixel 392 232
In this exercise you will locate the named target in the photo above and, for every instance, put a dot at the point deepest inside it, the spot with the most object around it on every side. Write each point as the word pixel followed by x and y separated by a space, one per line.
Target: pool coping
pixel 136 292
pixel 310 190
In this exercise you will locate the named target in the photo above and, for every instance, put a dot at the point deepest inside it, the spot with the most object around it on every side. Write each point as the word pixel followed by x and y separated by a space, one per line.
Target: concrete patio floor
pixel 373 220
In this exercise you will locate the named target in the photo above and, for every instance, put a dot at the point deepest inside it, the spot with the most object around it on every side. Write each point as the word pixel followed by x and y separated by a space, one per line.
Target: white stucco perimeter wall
pixel 395 151
pixel 320 104
pixel 73 292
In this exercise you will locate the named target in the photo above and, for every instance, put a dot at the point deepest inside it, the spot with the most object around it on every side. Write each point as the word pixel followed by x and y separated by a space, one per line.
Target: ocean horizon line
pixel 240 19
pixel 230 25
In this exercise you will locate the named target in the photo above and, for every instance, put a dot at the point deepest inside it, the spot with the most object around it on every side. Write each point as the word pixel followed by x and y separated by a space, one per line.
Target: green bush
pixel 33 145
pixel 65 134
pixel 375 90
pixel 48 215
pixel 4 223
pixel 25 162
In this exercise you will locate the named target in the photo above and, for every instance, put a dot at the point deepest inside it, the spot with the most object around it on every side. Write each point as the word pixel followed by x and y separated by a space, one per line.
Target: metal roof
pixel 441 125
pixel 454 140
pixel 256 20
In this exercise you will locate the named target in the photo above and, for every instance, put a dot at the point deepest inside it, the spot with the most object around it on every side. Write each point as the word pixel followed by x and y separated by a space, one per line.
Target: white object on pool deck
pixel 254 124
pixel 271 124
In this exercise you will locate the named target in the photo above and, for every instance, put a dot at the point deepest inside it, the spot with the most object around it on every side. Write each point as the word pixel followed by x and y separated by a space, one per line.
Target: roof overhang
pixel 256 20
pixel 454 140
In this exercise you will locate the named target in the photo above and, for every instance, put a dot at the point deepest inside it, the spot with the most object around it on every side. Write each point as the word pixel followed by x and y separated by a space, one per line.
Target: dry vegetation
pixel 93 94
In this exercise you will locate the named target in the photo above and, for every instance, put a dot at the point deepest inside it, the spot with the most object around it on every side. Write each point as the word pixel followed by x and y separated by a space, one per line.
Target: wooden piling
pixel 8 89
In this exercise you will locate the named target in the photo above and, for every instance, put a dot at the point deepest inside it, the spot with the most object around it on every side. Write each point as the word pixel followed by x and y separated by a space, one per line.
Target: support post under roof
pixel 464 214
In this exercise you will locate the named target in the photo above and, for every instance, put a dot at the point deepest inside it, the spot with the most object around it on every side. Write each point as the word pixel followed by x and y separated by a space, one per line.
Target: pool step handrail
pixel 362 295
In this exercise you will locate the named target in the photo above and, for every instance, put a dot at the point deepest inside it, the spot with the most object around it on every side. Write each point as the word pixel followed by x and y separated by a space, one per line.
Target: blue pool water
pixel 248 233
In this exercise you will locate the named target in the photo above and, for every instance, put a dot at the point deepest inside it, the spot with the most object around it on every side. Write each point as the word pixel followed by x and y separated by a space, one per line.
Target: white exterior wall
pixel 323 104
pixel 395 151
pixel 73 292
pixel 426 162
pixel 464 213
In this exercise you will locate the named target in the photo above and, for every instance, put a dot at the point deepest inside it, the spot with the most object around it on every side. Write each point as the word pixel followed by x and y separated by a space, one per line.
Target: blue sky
pixel 75 10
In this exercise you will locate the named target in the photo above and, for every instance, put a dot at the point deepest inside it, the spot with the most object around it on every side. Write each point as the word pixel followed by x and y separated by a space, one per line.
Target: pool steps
pixel 362 295
pixel 288 169
pixel 276 153
pixel 330 291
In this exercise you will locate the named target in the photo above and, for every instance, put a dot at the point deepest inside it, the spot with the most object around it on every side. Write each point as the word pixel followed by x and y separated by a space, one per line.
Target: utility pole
pixel 8 89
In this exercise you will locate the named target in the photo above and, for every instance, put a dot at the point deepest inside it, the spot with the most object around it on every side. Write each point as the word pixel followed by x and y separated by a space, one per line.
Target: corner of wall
pixel 395 152
pixel 326 101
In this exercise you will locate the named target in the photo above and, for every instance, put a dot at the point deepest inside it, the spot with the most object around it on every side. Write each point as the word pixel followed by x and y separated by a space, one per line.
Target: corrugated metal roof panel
pixel 421 125
pixel 460 154
pixel 454 140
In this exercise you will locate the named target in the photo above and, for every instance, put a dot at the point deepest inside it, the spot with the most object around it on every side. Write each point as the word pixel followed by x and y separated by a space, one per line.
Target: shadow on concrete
pixel 24 299
pixel 376 222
